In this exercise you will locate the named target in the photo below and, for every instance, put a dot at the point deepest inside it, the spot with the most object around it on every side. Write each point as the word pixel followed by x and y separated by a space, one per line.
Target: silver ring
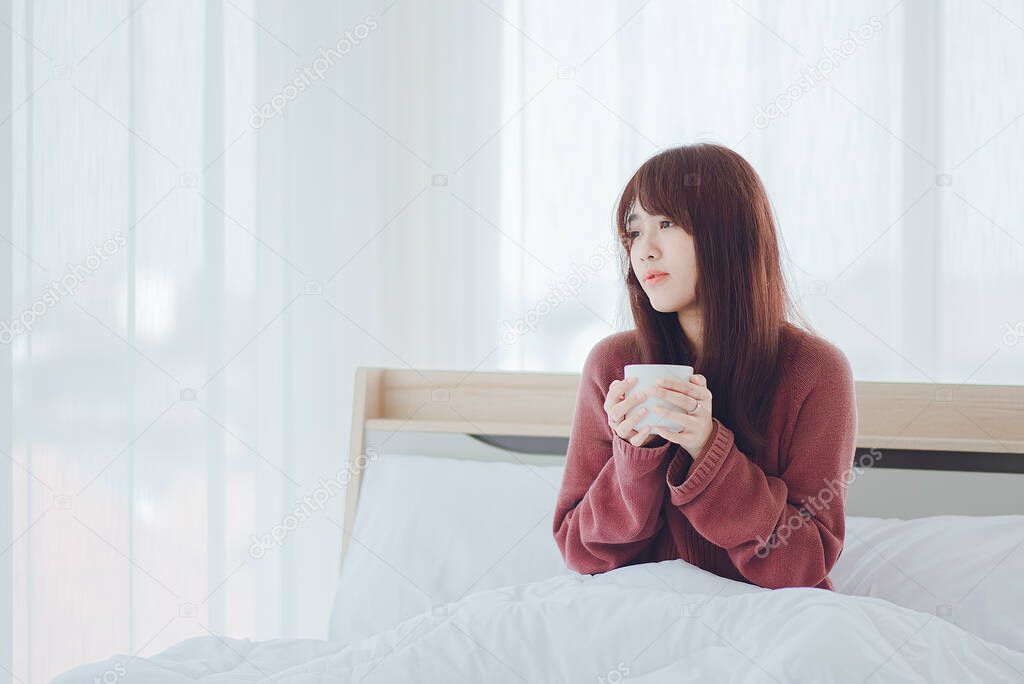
pixel 695 408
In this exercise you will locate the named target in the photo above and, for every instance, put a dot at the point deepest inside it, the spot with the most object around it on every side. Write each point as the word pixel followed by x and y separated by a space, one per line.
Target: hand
pixel 693 399
pixel 617 405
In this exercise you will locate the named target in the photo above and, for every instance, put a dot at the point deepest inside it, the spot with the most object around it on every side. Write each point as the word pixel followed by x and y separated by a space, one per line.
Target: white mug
pixel 647 375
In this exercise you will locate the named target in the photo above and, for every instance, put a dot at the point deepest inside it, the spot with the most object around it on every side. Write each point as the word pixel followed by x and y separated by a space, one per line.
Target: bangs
pixel 654 195
pixel 662 186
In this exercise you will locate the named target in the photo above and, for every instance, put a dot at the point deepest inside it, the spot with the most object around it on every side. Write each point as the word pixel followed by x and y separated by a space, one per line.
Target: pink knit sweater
pixel 774 519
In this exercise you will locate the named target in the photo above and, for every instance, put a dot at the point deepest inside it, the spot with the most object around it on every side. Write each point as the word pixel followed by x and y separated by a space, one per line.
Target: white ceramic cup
pixel 647 375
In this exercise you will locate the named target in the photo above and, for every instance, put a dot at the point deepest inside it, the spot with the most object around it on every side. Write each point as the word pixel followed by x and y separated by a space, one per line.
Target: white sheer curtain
pixel 263 240
pixel 892 169
pixel 439 195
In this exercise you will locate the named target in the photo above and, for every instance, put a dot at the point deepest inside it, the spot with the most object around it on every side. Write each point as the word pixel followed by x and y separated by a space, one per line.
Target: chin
pixel 667 305
pixel 660 307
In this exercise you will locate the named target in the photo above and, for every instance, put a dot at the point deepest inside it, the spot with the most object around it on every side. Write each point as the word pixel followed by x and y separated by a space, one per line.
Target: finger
pixel 666 434
pixel 700 384
pixel 617 409
pixel 677 385
pixel 622 424
pixel 640 437
pixel 669 435
pixel 687 388
pixel 695 383
pixel 629 422
pixel 680 399
pixel 664 415
pixel 616 391
pixel 689 404
pixel 620 409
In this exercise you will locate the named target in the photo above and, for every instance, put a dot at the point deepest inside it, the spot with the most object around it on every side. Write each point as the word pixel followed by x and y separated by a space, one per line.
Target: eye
pixel 632 234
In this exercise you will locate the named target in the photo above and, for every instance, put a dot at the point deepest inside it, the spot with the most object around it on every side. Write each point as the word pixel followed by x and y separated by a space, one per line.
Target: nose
pixel 645 248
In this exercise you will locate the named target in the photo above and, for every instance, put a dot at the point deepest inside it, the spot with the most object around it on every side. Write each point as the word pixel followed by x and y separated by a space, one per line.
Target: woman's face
pixel 661 245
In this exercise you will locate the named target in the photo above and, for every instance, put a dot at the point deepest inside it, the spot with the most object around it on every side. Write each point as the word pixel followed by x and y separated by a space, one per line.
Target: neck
pixel 690 321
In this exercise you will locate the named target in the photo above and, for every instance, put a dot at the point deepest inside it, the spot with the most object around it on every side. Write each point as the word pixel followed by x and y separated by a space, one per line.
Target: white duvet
pixel 657 622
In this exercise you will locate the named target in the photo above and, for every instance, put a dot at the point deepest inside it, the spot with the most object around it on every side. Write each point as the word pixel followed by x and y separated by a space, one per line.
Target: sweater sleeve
pixel 609 507
pixel 784 531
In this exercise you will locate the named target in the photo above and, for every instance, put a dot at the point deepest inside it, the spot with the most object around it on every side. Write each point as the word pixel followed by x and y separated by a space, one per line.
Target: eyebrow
pixel 634 217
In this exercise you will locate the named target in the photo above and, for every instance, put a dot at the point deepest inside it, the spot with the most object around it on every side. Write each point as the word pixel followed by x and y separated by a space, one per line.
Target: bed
pixel 472 588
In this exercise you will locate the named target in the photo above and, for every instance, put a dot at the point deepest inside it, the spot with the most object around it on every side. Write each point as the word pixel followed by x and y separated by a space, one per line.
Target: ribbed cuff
pixel 708 463
pixel 634 455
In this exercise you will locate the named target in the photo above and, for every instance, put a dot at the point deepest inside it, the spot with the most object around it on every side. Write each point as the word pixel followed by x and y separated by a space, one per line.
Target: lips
pixel 652 277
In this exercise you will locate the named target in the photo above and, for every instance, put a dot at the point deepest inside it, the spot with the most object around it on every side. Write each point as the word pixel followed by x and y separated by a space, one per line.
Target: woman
pixel 753 486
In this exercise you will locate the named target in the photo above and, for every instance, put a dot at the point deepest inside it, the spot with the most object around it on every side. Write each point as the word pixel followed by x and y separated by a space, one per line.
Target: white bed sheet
pixel 656 622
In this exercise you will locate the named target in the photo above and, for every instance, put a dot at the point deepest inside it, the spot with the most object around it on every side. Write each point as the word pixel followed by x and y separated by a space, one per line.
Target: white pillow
pixel 964 569
pixel 430 530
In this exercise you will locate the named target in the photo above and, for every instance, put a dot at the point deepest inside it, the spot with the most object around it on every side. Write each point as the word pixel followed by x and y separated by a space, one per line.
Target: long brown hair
pixel 718 198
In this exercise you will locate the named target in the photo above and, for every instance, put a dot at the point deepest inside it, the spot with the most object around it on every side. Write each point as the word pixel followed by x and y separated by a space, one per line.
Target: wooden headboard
pixel 970 428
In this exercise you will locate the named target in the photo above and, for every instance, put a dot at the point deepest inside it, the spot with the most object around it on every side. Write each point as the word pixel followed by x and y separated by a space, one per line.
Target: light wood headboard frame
pixel 909 416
